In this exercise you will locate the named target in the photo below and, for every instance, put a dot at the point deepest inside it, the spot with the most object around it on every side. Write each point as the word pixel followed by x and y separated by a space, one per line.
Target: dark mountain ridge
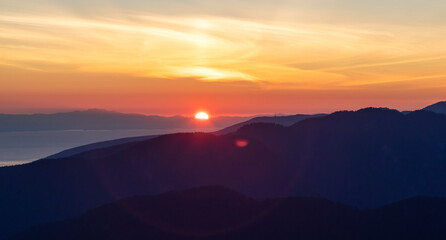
pixel 439 107
pixel 366 158
pixel 374 154
pixel 280 120
pixel 219 213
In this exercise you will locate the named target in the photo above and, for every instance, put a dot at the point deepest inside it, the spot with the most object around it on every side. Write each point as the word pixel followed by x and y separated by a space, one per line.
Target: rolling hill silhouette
pixel 439 107
pixel 366 158
pixel 281 120
pixel 219 213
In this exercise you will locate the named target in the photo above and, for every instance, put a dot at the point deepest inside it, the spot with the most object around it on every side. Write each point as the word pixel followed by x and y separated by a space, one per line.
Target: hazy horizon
pixel 191 114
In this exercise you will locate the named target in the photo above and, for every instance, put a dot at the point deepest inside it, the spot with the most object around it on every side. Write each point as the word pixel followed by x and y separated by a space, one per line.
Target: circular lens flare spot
pixel 202 116
pixel 241 143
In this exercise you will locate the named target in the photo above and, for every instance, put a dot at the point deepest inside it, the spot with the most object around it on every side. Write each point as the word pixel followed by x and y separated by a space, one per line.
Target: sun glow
pixel 202 116
pixel 211 74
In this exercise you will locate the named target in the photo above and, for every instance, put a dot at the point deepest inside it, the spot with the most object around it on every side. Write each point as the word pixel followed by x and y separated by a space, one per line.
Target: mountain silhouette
pixel 219 213
pixel 366 158
pixel 93 146
pixel 439 107
pixel 53 189
pixel 281 120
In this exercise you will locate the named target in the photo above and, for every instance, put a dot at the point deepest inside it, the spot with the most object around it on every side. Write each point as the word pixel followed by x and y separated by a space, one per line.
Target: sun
pixel 202 116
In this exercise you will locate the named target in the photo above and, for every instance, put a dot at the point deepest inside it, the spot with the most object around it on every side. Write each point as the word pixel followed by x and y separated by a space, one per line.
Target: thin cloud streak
pixel 268 55
pixel 205 38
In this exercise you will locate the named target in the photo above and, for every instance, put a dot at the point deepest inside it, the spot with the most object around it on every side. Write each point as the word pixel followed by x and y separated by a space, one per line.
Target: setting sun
pixel 202 116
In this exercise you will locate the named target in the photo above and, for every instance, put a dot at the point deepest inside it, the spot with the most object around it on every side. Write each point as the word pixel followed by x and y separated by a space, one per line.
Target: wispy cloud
pixel 211 48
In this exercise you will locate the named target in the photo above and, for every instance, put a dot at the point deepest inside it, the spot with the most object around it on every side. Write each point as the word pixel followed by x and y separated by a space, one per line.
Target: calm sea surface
pixel 24 147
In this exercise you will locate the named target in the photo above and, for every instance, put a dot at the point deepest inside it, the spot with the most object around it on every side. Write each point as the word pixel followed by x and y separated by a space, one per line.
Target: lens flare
pixel 241 143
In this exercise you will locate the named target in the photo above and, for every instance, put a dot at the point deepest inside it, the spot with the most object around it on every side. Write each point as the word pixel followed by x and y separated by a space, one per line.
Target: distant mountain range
pixel 212 213
pixel 96 119
pixel 367 158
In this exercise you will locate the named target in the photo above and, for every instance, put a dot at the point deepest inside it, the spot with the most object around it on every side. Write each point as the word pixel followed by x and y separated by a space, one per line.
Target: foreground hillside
pixel 219 213
pixel 367 158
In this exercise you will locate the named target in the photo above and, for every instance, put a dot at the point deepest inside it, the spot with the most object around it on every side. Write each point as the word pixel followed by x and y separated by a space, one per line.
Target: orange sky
pixel 56 56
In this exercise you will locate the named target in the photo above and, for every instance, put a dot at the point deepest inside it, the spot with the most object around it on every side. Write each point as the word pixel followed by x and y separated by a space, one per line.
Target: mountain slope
pixel 439 107
pixel 366 158
pixel 281 120
pixel 218 213
pixel 89 147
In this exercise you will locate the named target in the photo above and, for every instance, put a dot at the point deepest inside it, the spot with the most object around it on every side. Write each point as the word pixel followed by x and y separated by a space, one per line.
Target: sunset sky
pixel 226 57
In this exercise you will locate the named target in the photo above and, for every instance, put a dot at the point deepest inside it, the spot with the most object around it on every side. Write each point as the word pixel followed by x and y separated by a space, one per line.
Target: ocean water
pixel 23 147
